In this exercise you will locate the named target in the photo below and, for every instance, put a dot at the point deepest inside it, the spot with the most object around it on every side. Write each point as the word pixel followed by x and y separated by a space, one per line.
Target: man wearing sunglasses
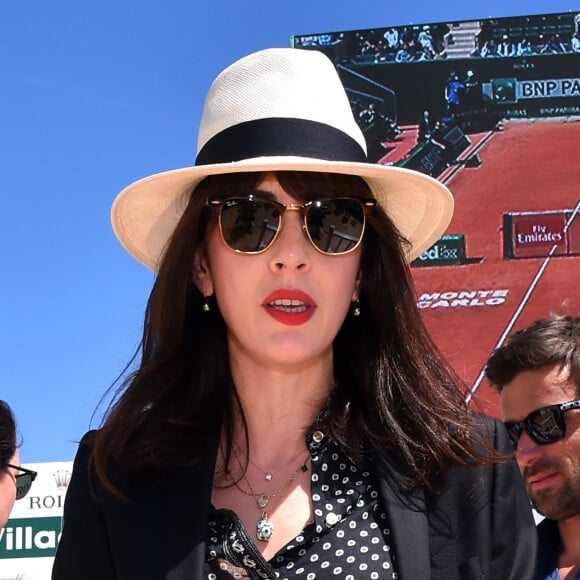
pixel 15 481
pixel 538 376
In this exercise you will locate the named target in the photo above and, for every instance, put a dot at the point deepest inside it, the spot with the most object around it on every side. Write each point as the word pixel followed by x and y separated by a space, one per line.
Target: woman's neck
pixel 279 406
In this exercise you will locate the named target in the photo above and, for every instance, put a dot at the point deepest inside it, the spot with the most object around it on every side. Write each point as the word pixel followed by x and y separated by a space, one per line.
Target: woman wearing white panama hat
pixel 290 415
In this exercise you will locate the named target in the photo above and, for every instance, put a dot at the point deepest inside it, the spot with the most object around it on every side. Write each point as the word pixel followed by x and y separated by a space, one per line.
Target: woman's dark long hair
pixel 393 388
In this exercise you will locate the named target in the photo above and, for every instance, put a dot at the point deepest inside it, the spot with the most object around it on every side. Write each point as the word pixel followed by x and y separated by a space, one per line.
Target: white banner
pixel 548 88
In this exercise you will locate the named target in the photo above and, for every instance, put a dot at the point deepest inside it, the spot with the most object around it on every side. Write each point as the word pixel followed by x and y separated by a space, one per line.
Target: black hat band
pixel 274 137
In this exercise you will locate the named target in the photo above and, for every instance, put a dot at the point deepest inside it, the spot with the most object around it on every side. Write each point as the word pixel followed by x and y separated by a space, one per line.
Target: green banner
pixel 30 537
pixel 448 249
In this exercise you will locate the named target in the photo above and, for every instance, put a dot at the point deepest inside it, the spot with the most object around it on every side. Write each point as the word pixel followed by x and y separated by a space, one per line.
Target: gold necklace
pixel 269 475
pixel 264 526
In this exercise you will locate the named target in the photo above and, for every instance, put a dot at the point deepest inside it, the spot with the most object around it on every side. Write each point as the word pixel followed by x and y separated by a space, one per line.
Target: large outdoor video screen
pixel 492 109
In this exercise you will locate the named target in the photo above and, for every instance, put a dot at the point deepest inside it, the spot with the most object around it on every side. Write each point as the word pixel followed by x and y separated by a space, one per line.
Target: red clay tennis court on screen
pixel 511 212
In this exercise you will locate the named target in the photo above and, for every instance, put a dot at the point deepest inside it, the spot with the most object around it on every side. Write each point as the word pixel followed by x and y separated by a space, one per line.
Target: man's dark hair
pixel 555 340
pixel 7 435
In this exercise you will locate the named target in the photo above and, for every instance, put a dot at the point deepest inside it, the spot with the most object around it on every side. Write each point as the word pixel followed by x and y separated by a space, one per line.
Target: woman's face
pixel 282 307
pixel 8 489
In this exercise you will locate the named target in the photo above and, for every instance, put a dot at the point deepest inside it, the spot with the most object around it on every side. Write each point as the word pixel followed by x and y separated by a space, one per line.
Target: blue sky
pixel 94 95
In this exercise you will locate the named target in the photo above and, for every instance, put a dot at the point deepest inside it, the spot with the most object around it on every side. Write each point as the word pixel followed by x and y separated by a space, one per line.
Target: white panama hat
pixel 278 109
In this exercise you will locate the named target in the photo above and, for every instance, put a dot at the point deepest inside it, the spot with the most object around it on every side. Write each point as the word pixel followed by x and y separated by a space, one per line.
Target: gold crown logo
pixel 62 478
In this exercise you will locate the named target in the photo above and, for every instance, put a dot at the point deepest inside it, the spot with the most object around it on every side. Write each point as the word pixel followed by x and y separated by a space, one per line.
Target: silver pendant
pixel 264 528
pixel 262 501
pixel 268 477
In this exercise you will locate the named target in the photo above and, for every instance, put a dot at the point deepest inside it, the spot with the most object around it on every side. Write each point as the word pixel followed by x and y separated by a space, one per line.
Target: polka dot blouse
pixel 349 537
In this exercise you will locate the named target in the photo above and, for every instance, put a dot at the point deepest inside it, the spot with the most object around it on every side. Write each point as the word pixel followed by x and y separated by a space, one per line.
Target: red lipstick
pixel 289 306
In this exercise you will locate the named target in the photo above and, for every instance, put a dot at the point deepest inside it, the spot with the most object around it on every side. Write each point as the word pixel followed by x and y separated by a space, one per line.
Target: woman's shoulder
pixel 88 438
pixel 87 468
pixel 84 448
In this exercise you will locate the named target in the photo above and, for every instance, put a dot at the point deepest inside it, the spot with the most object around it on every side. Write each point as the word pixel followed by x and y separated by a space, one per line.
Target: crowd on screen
pixel 428 42
pixel 401 44
pixel 506 47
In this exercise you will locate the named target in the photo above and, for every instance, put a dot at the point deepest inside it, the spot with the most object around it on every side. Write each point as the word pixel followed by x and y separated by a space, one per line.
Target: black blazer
pixel 481 527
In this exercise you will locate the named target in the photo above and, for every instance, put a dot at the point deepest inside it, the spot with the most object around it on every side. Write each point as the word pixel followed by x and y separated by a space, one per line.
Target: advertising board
pixel 528 234
pixel 29 539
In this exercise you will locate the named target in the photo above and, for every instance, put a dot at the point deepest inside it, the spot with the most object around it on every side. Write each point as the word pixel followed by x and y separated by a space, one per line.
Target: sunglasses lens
pixel 546 425
pixel 23 484
pixel 335 226
pixel 249 225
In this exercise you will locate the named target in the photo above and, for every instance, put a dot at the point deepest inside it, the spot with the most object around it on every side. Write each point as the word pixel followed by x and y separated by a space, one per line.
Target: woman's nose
pixel 292 249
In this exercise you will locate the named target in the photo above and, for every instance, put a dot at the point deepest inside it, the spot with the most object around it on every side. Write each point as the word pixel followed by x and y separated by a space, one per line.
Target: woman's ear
pixel 358 282
pixel 201 274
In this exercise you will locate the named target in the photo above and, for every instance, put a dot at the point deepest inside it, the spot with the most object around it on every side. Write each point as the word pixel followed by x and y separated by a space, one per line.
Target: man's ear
pixel 201 274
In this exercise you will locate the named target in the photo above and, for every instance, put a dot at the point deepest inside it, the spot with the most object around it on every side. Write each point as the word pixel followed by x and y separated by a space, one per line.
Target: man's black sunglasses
pixel 23 480
pixel 544 425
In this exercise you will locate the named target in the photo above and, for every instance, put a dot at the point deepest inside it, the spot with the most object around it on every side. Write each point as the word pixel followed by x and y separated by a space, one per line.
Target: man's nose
pixel 528 451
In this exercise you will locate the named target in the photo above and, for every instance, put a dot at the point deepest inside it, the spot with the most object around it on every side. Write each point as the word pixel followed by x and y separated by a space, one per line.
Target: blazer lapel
pixel 166 521
pixel 194 520
pixel 408 520
pixel 192 526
